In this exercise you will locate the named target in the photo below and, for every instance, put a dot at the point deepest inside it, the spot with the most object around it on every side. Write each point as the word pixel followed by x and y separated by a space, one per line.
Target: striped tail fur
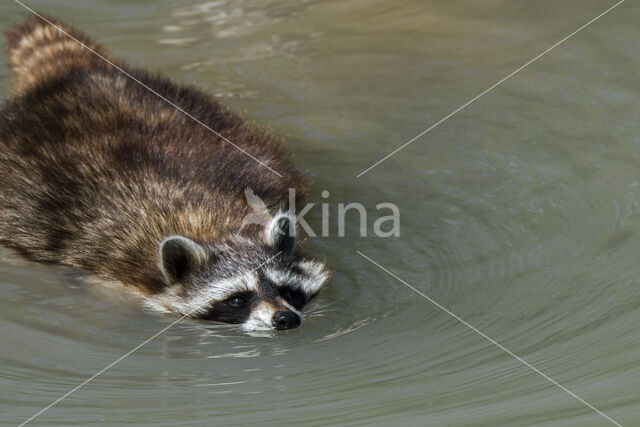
pixel 38 51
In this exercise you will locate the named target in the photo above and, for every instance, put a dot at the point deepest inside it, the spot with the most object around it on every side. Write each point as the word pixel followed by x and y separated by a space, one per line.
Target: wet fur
pixel 95 170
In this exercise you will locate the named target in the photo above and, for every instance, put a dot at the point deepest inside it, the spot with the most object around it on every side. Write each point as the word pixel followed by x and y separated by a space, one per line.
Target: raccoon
pixel 101 170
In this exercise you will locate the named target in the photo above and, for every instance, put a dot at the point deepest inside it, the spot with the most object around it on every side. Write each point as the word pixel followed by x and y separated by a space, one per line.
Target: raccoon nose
pixel 285 320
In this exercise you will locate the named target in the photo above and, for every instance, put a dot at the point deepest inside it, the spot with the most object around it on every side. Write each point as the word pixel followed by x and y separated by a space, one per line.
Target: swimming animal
pixel 121 172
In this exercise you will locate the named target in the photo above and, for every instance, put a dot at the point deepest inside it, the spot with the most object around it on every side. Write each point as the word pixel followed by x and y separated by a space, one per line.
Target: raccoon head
pixel 260 282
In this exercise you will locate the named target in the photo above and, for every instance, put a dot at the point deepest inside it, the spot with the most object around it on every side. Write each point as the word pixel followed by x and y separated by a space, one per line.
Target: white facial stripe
pixel 260 318
pixel 282 277
pixel 198 301
pixel 312 268
pixel 224 288
pixel 310 283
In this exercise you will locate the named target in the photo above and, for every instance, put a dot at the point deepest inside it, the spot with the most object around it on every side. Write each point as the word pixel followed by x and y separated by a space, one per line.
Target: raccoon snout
pixel 285 320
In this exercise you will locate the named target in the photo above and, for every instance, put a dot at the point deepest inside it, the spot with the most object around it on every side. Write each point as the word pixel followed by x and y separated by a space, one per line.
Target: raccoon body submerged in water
pixel 99 172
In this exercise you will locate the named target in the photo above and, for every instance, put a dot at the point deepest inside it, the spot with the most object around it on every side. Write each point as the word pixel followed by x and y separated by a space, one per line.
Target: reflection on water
pixel 519 214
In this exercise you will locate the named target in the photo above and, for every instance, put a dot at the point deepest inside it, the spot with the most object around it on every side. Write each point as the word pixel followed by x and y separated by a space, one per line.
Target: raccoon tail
pixel 40 50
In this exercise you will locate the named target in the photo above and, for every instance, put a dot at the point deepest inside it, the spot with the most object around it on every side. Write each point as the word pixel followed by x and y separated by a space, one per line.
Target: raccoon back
pixel 95 170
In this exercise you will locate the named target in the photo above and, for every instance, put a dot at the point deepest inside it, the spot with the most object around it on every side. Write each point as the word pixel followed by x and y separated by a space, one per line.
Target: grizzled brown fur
pixel 95 169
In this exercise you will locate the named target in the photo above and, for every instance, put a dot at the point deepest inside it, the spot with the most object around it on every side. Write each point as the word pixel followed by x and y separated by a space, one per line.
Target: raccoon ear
pixel 179 257
pixel 280 232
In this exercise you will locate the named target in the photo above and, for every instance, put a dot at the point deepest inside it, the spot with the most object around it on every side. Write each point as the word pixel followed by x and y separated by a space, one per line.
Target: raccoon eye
pixel 237 301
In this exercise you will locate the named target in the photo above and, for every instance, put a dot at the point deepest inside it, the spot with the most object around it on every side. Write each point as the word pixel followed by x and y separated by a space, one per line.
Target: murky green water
pixel 520 214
